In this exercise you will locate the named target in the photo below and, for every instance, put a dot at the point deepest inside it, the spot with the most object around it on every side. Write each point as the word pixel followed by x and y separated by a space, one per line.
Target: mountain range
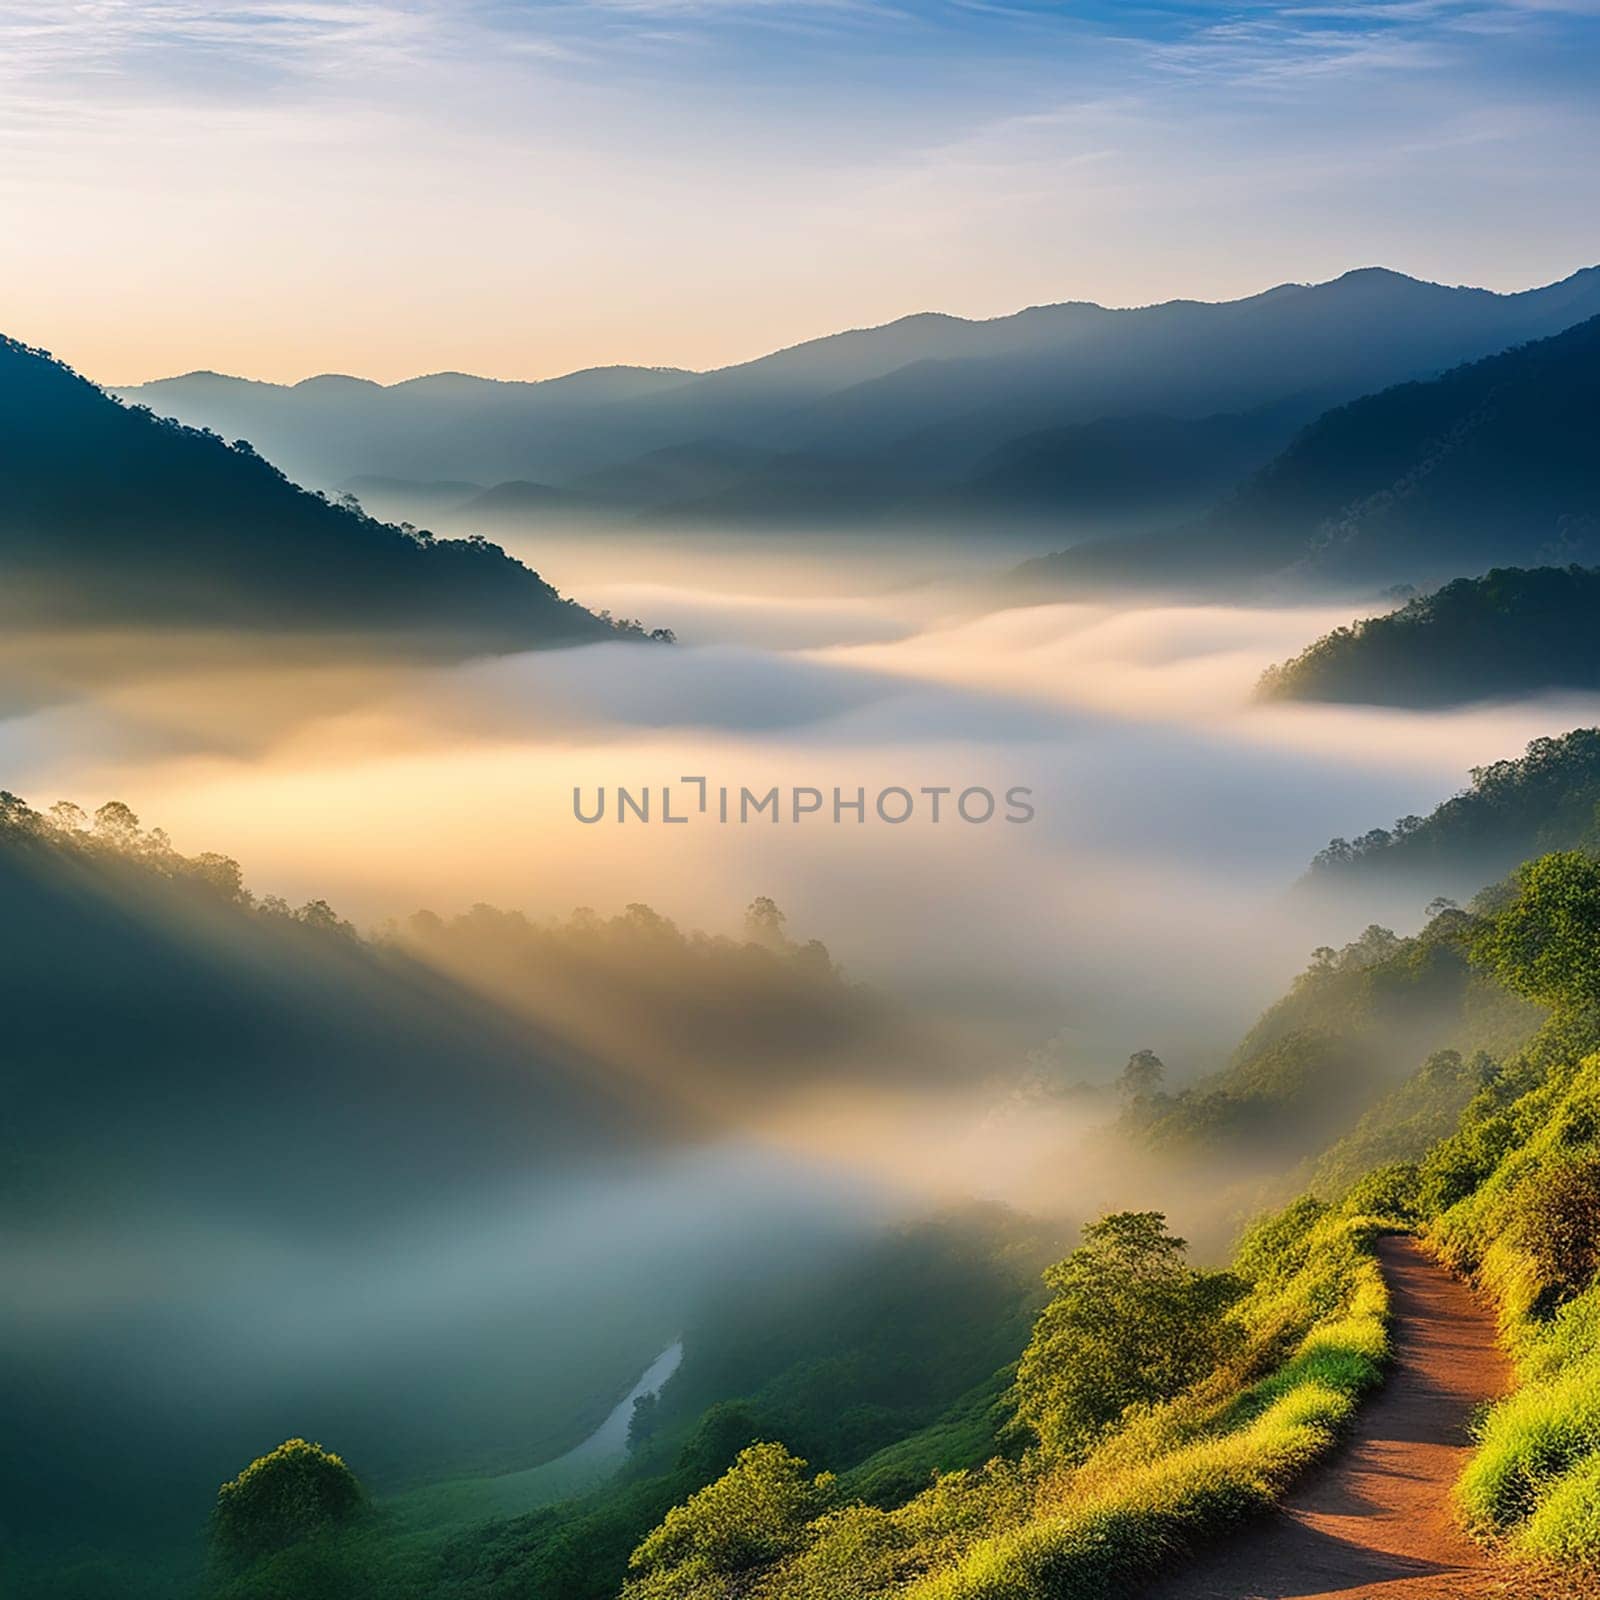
pixel 1071 412
pixel 1492 462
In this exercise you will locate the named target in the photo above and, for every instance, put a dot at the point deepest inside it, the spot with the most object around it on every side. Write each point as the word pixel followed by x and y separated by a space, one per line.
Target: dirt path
pixel 1375 1523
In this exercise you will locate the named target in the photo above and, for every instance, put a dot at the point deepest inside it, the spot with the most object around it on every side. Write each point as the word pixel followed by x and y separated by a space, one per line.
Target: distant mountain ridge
pixel 918 417
pixel 1493 462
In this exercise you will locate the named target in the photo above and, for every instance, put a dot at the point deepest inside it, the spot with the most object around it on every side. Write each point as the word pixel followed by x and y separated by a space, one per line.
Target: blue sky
pixel 394 186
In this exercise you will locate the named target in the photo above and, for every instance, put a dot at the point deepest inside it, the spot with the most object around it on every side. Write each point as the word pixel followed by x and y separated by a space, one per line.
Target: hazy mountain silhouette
pixel 405 499
pixel 1115 464
pixel 111 514
pixel 914 414
pixel 511 504
pixel 1493 462
pixel 172 1041
pixel 1112 472
pixel 444 426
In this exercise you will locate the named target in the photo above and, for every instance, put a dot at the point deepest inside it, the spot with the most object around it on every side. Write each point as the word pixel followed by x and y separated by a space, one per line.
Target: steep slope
pixel 903 408
pixel 171 1041
pixel 1546 799
pixel 1511 632
pixel 1352 1027
pixel 1493 462
pixel 110 515
pixel 229 1128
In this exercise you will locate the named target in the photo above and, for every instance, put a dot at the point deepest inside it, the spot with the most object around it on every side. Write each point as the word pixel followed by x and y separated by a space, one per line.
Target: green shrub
pixel 1394 1191
pixel 1559 1227
pixel 1528 1444
pixel 1545 943
pixel 297 1491
pixel 756 1512
pixel 1566 1526
pixel 1276 1246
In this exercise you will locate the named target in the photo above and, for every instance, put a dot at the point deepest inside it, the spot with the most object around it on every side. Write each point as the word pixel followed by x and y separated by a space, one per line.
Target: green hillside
pixel 1545 799
pixel 890 1425
pixel 1293 1336
pixel 1511 632
pixel 1347 1035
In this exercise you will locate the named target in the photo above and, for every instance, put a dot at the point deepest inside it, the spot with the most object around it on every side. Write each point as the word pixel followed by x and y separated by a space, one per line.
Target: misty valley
pixel 876 973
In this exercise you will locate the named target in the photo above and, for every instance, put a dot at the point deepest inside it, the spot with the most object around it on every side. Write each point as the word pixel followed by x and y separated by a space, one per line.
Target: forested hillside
pixel 1513 631
pixel 1546 799
pixel 1351 1030
pixel 111 516
pixel 141 980
pixel 1254 1371
pixel 275 1125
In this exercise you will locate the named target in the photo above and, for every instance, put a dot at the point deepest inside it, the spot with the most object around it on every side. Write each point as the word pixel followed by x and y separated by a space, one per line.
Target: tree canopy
pixel 1129 1323
pixel 1545 942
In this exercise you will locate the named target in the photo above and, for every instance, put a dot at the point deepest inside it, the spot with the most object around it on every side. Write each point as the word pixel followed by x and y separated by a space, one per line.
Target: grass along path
pixel 1377 1522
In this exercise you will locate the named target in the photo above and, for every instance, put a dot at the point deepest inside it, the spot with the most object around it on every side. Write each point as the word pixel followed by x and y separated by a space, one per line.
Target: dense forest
pixel 1513 631
pixel 1546 799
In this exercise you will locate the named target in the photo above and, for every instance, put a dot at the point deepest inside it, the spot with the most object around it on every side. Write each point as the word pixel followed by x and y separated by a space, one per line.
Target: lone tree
pixel 1143 1075
pixel 298 1490
pixel 763 923
pixel 1129 1323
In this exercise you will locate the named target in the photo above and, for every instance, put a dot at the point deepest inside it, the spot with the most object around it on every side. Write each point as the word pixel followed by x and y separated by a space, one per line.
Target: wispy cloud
pixel 524 186
pixel 125 37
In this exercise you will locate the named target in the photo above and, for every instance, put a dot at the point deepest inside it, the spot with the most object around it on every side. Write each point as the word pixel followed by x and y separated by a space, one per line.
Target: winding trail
pixel 1375 1522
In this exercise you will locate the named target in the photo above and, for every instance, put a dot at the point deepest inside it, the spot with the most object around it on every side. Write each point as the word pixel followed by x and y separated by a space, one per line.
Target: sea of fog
pixel 1144 905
